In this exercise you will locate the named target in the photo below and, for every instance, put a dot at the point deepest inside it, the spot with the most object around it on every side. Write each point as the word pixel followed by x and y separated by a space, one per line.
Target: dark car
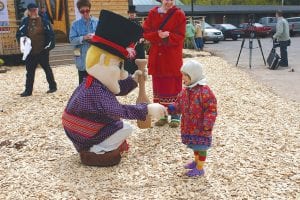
pixel 229 31
pixel 257 29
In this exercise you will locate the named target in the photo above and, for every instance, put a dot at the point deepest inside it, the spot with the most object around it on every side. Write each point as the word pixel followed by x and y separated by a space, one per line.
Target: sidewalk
pixel 283 82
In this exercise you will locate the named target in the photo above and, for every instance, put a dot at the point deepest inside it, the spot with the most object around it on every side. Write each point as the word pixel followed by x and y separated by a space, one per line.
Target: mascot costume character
pixel 93 116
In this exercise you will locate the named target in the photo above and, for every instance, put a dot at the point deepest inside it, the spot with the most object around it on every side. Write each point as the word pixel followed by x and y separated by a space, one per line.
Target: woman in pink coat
pixel 165 55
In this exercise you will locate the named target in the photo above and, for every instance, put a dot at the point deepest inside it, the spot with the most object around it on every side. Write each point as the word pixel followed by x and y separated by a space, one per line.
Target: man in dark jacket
pixel 130 65
pixel 40 32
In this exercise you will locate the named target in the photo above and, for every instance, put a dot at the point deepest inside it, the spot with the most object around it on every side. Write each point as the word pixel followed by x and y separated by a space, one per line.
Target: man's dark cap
pixel 131 9
pixel 31 6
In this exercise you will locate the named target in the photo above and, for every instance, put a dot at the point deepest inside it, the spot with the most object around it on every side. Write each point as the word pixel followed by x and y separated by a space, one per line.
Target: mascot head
pixel 113 42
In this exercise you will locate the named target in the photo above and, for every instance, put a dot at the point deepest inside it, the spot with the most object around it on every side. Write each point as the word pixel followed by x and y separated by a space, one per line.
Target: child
pixel 198 106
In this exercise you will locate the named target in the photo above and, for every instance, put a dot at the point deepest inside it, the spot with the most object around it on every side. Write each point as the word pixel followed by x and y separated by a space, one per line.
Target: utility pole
pixel 192 4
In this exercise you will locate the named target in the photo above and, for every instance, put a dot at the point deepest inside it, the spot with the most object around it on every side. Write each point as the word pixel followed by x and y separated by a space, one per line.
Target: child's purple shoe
pixel 190 165
pixel 195 172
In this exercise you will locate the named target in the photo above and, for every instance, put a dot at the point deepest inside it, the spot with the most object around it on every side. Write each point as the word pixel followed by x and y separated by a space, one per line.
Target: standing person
pixel 282 36
pixel 129 64
pixel 82 30
pixel 199 36
pixel 190 33
pixel 45 14
pixel 165 54
pixel 42 40
pixel 198 106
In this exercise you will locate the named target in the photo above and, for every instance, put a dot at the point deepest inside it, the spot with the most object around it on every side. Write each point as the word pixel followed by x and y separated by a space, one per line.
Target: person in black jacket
pixel 42 38
pixel 129 65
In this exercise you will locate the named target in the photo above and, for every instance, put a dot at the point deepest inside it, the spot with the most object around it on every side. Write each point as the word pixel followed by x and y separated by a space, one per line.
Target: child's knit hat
pixel 193 68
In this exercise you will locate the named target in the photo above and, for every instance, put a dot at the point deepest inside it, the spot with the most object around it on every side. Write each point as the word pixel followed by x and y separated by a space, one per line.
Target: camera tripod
pixel 251 38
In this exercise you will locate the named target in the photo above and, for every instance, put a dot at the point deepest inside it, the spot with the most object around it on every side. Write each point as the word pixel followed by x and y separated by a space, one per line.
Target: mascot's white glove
pixel 157 111
pixel 136 75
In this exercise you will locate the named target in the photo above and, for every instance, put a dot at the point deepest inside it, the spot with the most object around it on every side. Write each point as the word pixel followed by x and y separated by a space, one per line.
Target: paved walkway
pixel 284 83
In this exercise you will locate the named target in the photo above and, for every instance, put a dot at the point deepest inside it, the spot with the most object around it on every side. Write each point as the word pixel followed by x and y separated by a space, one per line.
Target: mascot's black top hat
pixel 115 33
pixel 131 9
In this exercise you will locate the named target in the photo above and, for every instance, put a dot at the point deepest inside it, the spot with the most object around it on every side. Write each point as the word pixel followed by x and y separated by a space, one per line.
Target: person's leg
pixel 283 54
pixel 175 121
pixel 31 63
pixel 191 165
pixel 81 76
pixel 192 39
pixel 197 42
pixel 44 61
pixel 200 157
pixel 165 91
pixel 201 43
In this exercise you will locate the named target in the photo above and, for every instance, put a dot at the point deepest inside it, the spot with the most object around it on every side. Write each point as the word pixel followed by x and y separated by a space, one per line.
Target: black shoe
pixel 282 64
pixel 51 90
pixel 25 94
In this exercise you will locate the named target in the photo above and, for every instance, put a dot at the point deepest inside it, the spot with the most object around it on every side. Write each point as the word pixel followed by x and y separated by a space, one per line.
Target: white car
pixel 294 23
pixel 212 34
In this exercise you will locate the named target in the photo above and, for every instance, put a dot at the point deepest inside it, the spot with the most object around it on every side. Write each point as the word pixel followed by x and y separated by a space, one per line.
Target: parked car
pixel 212 34
pixel 269 21
pixel 258 29
pixel 294 23
pixel 229 31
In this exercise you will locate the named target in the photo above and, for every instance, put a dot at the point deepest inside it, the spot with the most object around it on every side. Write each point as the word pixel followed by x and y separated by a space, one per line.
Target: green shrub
pixel 1 62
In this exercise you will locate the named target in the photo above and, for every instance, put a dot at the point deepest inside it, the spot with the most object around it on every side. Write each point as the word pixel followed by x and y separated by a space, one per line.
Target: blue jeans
pixel 283 52
pixel 199 42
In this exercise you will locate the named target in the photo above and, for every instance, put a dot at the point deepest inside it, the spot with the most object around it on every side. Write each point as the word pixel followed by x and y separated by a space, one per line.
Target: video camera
pixel 251 28
pixel 251 19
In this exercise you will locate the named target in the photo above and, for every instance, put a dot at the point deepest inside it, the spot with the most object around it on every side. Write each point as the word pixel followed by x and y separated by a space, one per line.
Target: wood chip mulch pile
pixel 255 153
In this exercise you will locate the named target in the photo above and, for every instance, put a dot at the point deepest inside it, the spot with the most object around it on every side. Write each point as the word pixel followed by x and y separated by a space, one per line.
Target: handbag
pixel 273 59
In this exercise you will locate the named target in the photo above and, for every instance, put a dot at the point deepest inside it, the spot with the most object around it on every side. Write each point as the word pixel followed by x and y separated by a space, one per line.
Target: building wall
pixel 9 45
pixel 11 12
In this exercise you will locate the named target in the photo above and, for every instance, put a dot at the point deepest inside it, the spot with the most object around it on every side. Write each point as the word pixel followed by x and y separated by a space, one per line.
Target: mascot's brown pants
pixel 107 159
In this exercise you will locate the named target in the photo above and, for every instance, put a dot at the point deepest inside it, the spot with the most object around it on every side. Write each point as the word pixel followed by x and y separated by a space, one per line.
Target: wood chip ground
pixel 255 153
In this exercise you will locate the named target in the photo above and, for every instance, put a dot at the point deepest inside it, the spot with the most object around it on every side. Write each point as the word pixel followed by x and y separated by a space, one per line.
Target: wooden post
pixel 142 96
